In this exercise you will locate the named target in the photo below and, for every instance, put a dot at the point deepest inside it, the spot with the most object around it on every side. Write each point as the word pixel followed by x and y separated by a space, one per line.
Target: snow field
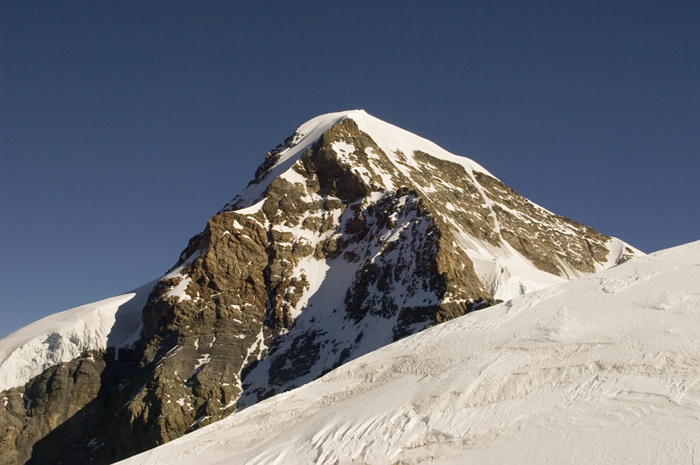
pixel 602 370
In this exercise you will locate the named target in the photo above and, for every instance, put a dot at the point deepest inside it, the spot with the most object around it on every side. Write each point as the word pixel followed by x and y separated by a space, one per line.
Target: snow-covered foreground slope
pixel 604 369
pixel 63 336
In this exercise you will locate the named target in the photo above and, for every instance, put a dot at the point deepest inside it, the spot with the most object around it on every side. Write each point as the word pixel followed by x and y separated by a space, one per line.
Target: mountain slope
pixel 370 233
pixel 353 234
pixel 59 338
pixel 604 368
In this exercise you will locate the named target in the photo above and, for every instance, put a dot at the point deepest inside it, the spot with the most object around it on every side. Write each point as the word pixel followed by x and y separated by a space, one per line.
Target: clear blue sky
pixel 125 125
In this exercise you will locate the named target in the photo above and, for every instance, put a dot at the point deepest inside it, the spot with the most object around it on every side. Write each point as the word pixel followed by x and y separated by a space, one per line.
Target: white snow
pixel 293 177
pixel 179 290
pixel 508 275
pixel 61 337
pixel 600 370
pixel 201 361
pixel 391 138
pixel 252 209
pixel 315 271
pixel 617 250
pixel 342 151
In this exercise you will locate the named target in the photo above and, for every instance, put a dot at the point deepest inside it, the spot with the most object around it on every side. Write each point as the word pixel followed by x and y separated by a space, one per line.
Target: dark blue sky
pixel 125 125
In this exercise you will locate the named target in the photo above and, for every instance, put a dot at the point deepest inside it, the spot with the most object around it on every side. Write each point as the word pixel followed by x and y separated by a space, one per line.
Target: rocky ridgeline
pixel 350 248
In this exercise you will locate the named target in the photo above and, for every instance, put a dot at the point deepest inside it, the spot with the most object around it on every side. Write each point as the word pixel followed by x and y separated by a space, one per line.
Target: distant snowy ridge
pixel 63 336
pixel 603 369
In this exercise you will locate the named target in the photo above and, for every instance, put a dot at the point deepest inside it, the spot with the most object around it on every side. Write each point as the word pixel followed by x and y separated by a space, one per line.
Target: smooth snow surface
pixel 61 337
pixel 603 370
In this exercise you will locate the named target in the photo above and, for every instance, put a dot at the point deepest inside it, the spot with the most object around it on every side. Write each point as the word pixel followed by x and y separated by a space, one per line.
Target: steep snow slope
pixel 604 369
pixel 61 337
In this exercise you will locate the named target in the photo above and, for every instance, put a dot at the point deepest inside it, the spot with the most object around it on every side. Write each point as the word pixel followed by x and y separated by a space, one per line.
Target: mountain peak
pixel 353 234
pixel 386 138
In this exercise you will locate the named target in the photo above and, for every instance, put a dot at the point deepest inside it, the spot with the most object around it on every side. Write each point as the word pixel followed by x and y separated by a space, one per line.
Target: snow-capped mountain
pixel 601 370
pixel 353 234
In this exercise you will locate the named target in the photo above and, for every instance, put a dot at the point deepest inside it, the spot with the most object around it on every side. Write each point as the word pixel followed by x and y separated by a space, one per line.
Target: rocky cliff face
pixel 352 235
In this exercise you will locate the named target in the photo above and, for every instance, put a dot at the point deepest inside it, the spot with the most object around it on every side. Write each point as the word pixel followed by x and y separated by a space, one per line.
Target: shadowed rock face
pixel 350 249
